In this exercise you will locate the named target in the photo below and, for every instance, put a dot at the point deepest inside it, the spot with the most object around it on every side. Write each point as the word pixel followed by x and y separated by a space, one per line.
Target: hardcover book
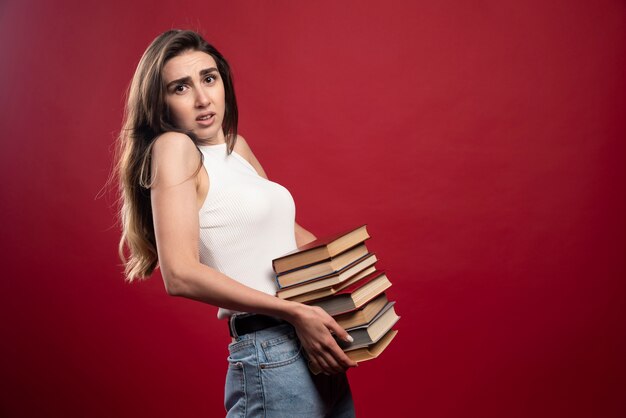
pixel 324 268
pixel 328 281
pixel 368 334
pixel 329 291
pixel 321 249
pixel 356 295
pixel 374 350
pixel 363 315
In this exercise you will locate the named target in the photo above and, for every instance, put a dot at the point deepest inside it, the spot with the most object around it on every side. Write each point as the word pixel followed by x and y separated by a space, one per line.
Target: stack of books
pixel 338 274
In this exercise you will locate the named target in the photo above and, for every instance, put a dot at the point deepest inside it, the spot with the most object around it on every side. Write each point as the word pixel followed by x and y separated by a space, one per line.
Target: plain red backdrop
pixel 482 142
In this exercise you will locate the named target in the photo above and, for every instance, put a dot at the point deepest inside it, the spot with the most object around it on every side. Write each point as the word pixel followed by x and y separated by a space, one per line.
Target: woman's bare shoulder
pixel 242 148
pixel 175 155
pixel 174 142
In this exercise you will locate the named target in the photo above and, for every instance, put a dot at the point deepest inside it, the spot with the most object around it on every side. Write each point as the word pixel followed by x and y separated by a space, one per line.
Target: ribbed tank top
pixel 245 221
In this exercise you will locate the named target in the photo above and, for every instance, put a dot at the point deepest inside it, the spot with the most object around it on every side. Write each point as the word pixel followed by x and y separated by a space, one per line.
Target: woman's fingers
pixel 334 364
pixel 325 362
pixel 333 356
pixel 342 359
pixel 341 333
pixel 339 357
pixel 315 365
pixel 314 327
pixel 321 355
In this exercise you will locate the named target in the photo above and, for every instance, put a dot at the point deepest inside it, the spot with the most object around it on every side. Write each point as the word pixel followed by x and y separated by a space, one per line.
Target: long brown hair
pixel 146 117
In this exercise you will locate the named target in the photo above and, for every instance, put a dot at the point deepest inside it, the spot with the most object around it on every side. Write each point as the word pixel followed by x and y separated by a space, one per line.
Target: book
pixel 321 249
pixel 363 315
pixel 374 350
pixel 328 281
pixel 333 265
pixel 329 291
pixel 338 274
pixel 370 333
pixel 369 352
pixel 356 295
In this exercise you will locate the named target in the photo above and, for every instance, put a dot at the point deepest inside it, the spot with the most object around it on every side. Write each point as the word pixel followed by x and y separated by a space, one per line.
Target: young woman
pixel 196 201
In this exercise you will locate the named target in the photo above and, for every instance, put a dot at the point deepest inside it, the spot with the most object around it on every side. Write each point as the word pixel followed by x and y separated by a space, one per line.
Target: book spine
pixel 277 282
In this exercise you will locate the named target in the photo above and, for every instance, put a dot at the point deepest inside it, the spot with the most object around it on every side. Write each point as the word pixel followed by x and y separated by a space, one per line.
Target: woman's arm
pixel 303 236
pixel 175 160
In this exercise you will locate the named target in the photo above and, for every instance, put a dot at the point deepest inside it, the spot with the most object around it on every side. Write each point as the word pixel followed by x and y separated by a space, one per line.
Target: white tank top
pixel 245 222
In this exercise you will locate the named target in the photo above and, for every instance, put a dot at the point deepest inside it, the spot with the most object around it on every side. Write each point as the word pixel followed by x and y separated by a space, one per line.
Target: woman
pixel 196 201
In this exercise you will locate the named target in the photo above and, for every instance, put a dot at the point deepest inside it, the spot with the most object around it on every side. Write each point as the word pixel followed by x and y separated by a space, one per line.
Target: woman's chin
pixel 210 137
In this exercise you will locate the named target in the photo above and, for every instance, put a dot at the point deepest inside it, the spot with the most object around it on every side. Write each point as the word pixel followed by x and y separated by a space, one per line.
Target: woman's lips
pixel 206 119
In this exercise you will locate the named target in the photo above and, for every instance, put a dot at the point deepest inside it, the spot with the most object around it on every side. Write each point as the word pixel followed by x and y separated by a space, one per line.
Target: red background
pixel 482 142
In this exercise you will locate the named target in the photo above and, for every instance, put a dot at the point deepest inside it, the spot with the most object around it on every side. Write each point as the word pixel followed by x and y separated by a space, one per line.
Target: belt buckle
pixel 231 323
pixel 231 327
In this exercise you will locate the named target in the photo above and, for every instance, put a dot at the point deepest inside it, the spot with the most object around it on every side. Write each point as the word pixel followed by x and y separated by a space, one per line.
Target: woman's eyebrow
pixel 187 79
pixel 208 70
pixel 182 80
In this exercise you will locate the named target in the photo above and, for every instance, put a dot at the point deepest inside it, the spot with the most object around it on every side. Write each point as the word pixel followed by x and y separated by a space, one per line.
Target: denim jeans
pixel 268 376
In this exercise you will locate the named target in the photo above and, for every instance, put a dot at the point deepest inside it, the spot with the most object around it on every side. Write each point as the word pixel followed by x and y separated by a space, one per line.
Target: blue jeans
pixel 268 376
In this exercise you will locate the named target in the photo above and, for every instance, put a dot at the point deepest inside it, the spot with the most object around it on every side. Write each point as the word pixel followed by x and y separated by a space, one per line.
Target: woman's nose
pixel 202 98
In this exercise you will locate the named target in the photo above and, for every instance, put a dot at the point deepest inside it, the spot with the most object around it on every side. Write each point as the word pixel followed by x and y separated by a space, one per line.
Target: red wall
pixel 482 142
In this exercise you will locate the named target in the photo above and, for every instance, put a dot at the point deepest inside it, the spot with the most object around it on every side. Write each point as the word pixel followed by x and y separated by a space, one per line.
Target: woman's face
pixel 194 93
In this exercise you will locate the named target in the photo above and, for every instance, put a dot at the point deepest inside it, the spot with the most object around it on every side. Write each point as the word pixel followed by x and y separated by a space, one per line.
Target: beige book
pixel 323 268
pixel 321 249
pixel 369 352
pixel 372 332
pixel 355 296
pixel 328 281
pixel 329 291
pixel 364 315
pixel 374 350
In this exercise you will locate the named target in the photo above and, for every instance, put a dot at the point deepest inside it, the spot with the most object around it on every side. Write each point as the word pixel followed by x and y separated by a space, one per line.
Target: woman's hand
pixel 314 326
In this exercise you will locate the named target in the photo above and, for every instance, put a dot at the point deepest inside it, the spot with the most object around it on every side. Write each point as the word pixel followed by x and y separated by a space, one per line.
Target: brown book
pixel 356 295
pixel 328 281
pixel 293 277
pixel 374 350
pixel 329 291
pixel 368 334
pixel 369 352
pixel 363 315
pixel 321 249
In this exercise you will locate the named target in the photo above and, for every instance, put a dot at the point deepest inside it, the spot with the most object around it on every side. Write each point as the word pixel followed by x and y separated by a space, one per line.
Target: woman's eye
pixel 210 78
pixel 179 88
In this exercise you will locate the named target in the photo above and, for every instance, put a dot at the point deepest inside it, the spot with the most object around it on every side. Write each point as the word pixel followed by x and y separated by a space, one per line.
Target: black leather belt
pixel 244 324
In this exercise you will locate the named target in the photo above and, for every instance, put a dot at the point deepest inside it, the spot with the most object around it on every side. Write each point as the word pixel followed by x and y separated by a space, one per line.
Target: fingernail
pixel 349 339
